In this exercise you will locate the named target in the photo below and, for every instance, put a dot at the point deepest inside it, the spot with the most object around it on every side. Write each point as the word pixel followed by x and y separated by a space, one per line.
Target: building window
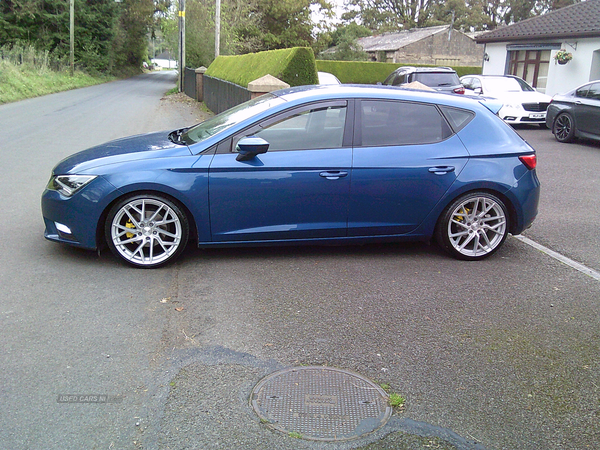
pixel 531 65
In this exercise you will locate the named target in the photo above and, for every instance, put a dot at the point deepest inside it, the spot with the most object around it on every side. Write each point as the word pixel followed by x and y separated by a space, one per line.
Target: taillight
pixel 460 90
pixel 530 161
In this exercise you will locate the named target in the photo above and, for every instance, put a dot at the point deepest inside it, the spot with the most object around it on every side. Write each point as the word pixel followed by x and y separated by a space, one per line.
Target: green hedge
pixel 296 66
pixel 365 72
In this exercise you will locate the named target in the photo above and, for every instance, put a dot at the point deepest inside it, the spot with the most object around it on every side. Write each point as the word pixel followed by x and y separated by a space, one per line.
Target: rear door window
pixel 390 123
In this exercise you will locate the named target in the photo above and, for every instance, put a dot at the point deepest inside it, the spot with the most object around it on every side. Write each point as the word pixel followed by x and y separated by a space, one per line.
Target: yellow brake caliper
pixel 465 211
pixel 128 224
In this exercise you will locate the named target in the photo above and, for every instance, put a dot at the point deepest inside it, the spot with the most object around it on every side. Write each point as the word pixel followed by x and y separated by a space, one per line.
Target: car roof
pixel 491 76
pixel 303 94
pixel 424 69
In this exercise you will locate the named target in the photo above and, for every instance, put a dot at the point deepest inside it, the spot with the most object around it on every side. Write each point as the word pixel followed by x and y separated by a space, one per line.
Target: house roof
pixel 394 41
pixel 575 21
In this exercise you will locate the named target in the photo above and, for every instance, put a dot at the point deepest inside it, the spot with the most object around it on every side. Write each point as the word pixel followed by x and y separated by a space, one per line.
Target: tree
pixel 393 15
pixel 109 36
pixel 344 39
pixel 275 24
pixel 466 15
pixel 388 15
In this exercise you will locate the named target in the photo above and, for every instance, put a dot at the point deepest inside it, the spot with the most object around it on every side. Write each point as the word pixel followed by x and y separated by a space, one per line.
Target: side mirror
pixel 249 147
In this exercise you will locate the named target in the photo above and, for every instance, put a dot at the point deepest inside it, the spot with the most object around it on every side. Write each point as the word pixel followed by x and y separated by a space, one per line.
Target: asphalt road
pixel 500 354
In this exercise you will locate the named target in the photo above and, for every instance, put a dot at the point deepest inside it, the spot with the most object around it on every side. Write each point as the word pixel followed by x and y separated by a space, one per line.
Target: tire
pixel 563 128
pixel 146 231
pixel 473 227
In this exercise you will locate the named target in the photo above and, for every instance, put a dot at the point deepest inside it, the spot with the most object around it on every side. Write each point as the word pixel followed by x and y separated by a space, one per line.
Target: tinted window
pixel 395 79
pixel 433 79
pixel 386 123
pixel 594 91
pixel 388 80
pixel 308 130
pixel 458 118
pixel 582 91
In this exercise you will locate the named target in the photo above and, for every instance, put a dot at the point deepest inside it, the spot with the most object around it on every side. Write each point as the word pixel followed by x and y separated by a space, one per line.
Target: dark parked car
pixel 319 164
pixel 576 113
pixel 442 79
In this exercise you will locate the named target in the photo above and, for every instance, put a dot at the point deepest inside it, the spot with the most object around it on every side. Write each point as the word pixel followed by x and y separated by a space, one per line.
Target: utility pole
pixel 181 43
pixel 72 35
pixel 218 28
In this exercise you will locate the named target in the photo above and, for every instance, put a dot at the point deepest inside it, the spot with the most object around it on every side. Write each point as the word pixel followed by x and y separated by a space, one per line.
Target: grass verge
pixel 18 82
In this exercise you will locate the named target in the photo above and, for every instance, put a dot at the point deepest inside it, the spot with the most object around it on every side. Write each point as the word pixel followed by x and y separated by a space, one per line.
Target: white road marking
pixel 563 259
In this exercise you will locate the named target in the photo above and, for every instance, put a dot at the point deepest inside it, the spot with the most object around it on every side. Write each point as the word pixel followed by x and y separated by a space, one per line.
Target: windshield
pixel 502 85
pixel 229 118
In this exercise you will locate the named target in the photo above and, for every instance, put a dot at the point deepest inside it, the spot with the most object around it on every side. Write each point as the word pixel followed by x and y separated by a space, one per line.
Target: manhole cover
pixel 321 403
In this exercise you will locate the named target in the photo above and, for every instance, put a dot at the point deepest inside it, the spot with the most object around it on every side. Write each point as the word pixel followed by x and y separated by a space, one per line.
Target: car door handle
pixel 333 174
pixel 441 170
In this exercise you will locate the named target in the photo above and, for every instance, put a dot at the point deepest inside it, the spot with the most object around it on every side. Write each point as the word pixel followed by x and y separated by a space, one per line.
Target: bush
pixel 364 72
pixel 357 72
pixel 296 66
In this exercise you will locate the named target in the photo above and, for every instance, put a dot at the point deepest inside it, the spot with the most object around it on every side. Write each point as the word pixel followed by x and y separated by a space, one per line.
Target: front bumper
pixel 513 118
pixel 75 220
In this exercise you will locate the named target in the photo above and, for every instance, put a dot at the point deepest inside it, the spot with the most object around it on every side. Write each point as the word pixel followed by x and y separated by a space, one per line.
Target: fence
pixel 220 95
pixel 28 55
pixel 189 82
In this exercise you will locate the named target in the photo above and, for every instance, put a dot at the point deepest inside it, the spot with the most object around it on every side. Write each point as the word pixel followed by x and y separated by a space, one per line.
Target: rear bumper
pixel 526 196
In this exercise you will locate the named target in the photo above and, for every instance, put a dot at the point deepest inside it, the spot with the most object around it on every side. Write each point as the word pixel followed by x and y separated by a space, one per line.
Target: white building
pixel 165 61
pixel 527 48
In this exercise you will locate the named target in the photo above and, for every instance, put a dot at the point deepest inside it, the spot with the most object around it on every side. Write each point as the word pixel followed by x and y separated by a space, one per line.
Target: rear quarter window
pixel 458 118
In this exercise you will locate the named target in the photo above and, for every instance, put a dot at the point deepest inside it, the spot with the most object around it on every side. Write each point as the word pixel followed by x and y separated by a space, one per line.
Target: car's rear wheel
pixel 473 227
pixel 146 230
pixel 564 128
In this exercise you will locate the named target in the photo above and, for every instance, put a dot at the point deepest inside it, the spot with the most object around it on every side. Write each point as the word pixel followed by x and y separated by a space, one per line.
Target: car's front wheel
pixel 473 227
pixel 564 128
pixel 146 230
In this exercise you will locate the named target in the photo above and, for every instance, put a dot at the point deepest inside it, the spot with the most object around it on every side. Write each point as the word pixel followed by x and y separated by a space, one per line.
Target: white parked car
pixel 328 78
pixel 522 103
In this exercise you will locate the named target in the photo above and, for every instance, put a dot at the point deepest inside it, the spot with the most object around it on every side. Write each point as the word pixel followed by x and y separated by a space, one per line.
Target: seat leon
pixel 306 165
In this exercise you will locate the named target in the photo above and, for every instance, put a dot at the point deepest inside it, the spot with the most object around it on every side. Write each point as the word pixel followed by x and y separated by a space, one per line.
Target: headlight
pixel 67 185
pixel 512 105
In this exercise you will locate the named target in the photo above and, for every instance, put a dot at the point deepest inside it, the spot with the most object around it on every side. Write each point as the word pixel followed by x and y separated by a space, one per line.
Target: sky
pixel 339 9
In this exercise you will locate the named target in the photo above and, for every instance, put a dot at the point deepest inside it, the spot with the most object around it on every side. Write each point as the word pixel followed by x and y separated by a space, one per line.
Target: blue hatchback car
pixel 306 165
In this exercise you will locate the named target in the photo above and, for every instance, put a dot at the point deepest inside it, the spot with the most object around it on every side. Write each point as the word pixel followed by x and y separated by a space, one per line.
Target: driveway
pixel 500 354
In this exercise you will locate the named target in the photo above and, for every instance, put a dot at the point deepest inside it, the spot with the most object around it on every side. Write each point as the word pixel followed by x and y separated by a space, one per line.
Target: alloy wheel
pixel 563 128
pixel 147 231
pixel 476 226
